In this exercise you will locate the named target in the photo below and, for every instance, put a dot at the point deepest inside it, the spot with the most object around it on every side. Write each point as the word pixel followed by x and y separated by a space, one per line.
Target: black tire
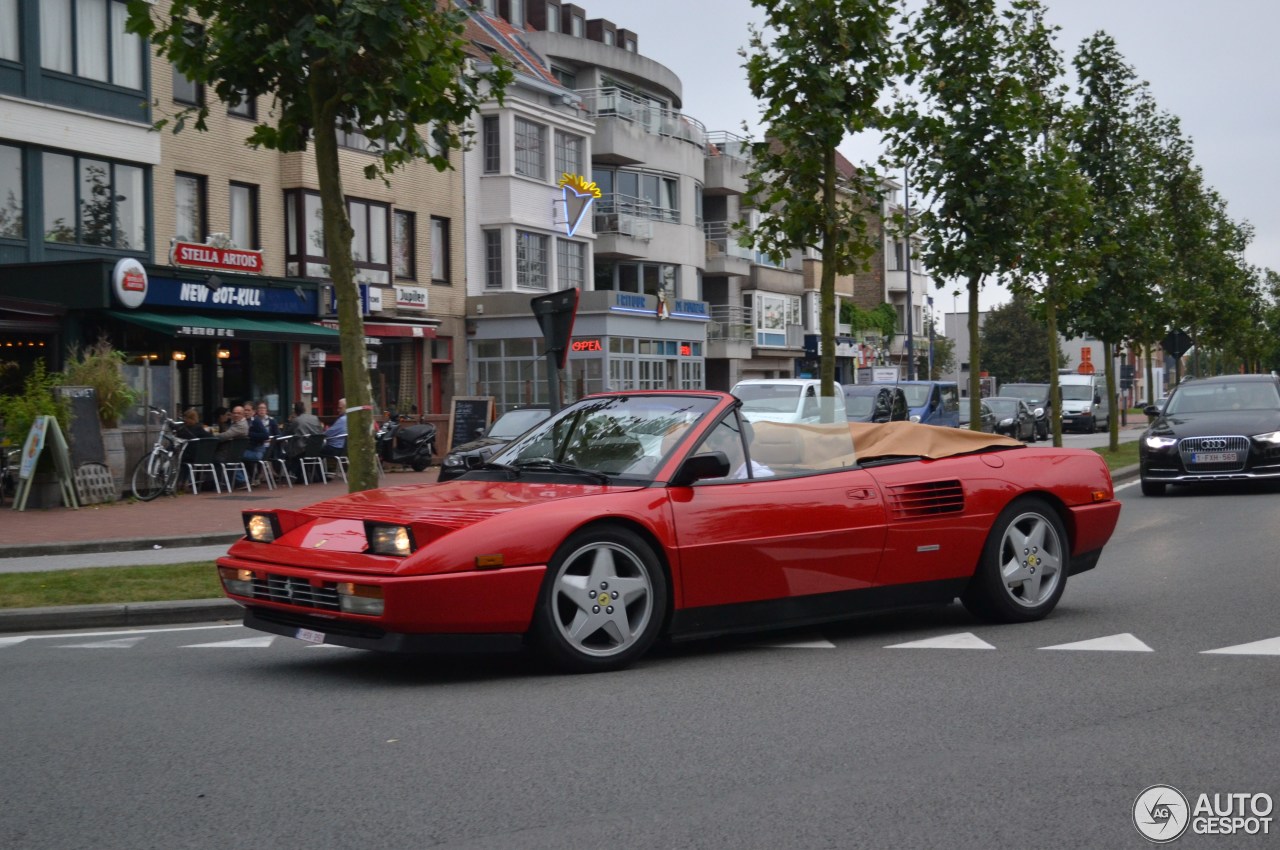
pixel 152 475
pixel 1152 488
pixel 419 465
pixel 1027 547
pixel 577 635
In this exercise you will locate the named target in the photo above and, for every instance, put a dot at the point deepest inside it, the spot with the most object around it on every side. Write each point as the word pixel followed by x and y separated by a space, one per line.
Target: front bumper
pixel 358 636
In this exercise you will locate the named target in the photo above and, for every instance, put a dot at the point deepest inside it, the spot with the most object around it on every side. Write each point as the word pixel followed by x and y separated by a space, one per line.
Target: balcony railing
pixel 729 322
pixel 617 103
pixel 722 143
pixel 627 216
pixel 723 235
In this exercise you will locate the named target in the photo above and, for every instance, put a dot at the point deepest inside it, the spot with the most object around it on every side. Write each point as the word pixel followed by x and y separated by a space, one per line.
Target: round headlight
pixel 452 460
pixel 260 528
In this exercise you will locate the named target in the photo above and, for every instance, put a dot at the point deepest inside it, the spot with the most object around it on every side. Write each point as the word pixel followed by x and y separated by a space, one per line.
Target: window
pixel 246 107
pixel 492 145
pixel 13 223
pixel 493 259
pixel 568 79
pixel 403 254
pixel 184 90
pixel 571 264
pixel 9 30
pixel 577 26
pixel 93 202
pixel 568 153
pixel 354 139
pixel 553 17
pixel 440 250
pixel 531 154
pixel 243 202
pixel 87 38
pixel 531 260
pixel 631 45
pixel 370 240
pixel 609 37
pixel 490 6
pixel 516 17
pixel 189 207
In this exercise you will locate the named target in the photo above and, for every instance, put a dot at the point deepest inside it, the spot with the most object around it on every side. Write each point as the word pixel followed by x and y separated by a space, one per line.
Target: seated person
pixel 335 436
pixel 191 428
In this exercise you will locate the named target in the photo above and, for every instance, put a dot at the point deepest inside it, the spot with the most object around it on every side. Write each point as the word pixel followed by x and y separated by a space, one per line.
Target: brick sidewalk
pixel 167 518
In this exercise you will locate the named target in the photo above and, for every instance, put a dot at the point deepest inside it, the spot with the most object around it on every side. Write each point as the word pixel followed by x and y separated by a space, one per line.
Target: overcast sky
pixel 1214 65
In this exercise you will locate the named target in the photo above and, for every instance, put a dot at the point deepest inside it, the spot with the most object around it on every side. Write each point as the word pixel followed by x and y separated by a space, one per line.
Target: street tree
pixel 820 68
pixel 1016 349
pixel 394 70
pixel 965 129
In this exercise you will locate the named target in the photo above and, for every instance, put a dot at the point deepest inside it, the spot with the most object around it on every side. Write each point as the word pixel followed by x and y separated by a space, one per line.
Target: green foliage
pixel 883 319
pixel 820 74
pixel 1015 345
pixel 18 412
pixel 99 366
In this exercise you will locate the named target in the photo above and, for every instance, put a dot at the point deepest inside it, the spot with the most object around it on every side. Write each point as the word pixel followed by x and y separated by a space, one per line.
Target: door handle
pixel 858 493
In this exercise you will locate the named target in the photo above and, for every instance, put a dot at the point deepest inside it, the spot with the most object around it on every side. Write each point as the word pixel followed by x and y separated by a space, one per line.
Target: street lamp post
pixel 906 215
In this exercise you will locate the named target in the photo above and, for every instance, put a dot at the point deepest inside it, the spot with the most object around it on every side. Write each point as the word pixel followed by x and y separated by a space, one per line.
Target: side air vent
pixel 916 501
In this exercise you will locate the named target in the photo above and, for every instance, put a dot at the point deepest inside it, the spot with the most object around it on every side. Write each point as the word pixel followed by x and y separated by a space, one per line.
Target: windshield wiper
pixel 502 467
pixel 556 466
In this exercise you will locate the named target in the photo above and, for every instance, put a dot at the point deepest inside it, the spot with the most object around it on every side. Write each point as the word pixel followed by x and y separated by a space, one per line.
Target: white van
pixel 786 400
pixel 1084 402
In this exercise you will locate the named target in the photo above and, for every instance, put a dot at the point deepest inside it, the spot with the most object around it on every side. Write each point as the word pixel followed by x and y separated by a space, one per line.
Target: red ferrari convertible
pixel 631 516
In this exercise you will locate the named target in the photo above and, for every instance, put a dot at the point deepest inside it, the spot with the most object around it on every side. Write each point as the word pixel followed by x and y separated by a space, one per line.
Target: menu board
pixel 469 417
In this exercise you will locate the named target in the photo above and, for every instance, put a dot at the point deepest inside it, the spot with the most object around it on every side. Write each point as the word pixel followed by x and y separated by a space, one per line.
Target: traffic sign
pixel 1177 343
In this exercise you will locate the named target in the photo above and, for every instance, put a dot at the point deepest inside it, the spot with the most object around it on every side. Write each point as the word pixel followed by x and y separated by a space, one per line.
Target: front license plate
pixel 309 635
pixel 1214 457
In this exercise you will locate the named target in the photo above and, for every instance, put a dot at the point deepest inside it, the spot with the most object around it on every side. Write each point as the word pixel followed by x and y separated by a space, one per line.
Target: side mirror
pixel 1152 410
pixel 700 466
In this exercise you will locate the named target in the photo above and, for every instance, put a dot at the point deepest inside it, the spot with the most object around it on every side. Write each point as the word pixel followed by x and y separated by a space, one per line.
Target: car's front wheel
pixel 1024 565
pixel 1152 488
pixel 602 603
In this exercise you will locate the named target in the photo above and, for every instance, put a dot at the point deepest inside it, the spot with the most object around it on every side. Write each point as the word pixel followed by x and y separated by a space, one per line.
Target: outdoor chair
pixel 198 457
pixel 312 459
pixel 231 460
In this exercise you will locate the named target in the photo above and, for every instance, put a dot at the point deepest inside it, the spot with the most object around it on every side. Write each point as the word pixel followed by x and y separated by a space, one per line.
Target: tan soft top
pixel 911 439
pixel 798 447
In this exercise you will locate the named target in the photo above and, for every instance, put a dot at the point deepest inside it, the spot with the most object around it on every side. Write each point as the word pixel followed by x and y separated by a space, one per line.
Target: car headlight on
pixel 261 528
pixel 1273 438
pixel 1004 423
pixel 1154 442
pixel 452 460
pixel 915 417
pixel 237 581
pixel 389 539
pixel 360 598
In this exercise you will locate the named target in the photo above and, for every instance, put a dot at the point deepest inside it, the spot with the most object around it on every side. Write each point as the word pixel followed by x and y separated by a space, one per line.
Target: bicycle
pixel 157 472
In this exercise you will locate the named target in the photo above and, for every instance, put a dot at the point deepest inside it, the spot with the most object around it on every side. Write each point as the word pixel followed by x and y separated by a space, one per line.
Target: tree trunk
pixel 1054 400
pixel 827 289
pixel 975 352
pixel 363 472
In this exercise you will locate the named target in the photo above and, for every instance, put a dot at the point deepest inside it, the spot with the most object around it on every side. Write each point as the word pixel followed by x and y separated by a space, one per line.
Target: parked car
pixel 1013 417
pixel 630 516
pixel 932 402
pixel 507 427
pixel 875 403
pixel 786 400
pixel 1037 398
pixel 988 425
pixel 1212 429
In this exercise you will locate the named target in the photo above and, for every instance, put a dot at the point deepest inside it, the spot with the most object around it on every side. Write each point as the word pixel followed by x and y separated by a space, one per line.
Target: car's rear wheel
pixel 602 603
pixel 1024 565
pixel 1152 488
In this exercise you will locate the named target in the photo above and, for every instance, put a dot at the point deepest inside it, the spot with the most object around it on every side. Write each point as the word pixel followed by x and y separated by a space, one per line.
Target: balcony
pixel 727 164
pixel 724 255
pixel 729 333
pixel 623 226
pixel 627 126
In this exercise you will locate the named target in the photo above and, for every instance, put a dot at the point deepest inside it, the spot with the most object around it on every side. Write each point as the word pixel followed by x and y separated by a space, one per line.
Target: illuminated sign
pixel 586 345
pixel 194 255
pixel 686 350
pixel 578 193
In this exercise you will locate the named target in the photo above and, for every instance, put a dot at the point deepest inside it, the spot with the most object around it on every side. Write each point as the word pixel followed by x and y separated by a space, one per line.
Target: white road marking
pixel 242 643
pixel 132 632
pixel 10 641
pixel 816 642
pixel 963 640
pixel 118 643
pixel 1124 642
pixel 1270 646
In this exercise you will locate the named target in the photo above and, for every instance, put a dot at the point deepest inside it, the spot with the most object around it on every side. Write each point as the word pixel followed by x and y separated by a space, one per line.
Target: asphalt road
pixel 216 737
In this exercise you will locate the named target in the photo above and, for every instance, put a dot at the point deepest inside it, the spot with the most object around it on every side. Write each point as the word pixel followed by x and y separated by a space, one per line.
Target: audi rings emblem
pixel 1214 443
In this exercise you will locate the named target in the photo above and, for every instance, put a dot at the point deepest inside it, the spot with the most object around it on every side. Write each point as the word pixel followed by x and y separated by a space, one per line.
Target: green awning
pixel 196 326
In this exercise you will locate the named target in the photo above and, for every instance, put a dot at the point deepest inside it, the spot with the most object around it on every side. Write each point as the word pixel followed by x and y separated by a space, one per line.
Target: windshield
pixel 627 436
pixel 1077 392
pixel 1003 407
pixel 859 405
pixel 1033 394
pixel 776 398
pixel 917 394
pixel 516 422
pixel 1206 398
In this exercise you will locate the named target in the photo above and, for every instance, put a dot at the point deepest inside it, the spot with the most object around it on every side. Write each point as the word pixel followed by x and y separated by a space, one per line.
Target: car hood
pixel 1215 423
pixel 480 443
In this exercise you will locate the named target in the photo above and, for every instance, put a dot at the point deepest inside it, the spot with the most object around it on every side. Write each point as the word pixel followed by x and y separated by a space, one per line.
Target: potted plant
pixel 18 413
pixel 99 366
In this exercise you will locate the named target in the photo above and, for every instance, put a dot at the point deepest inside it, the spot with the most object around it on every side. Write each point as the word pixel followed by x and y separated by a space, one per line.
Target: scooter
pixel 407 445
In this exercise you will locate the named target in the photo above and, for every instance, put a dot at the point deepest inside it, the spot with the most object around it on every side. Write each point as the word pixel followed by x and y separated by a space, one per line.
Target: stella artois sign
pixel 215 257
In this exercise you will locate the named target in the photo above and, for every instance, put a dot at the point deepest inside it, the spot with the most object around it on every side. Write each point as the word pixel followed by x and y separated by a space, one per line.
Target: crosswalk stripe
pixel 1270 646
pixel 963 640
pixel 118 643
pixel 1124 642
pixel 243 643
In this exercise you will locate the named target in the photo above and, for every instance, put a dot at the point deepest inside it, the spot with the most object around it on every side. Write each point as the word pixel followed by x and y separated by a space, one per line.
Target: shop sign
pixel 691 309
pixel 411 297
pixel 129 282
pixel 577 193
pixel 195 255
pixel 586 345
pixel 370 299
pixel 215 294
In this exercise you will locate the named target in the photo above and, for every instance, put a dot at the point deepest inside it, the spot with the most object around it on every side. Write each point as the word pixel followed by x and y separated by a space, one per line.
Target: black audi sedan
pixel 1225 428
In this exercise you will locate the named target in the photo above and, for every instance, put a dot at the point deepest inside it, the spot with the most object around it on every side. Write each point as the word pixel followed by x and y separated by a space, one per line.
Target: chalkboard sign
pixel 468 417
pixel 85 431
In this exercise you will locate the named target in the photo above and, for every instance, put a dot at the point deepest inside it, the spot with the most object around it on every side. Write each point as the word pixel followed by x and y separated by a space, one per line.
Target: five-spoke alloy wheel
pixel 603 601
pixel 1024 565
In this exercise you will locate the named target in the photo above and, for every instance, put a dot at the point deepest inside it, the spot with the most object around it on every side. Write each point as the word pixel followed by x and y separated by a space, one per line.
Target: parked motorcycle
pixel 405 444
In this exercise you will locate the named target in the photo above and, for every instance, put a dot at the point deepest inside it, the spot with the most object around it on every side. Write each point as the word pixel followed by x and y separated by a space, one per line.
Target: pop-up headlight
pixel 389 539
pixel 261 528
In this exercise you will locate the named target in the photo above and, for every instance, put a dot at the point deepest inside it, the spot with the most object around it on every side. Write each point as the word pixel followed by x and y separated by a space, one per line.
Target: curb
pixel 90 547
pixel 124 615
